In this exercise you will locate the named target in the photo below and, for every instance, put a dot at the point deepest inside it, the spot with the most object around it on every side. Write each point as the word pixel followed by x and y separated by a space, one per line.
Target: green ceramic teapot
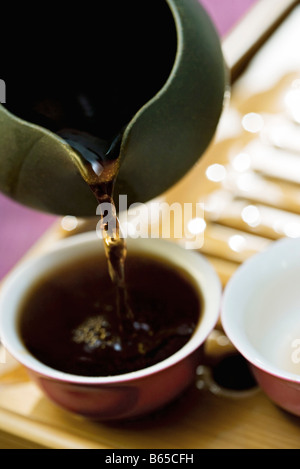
pixel 144 80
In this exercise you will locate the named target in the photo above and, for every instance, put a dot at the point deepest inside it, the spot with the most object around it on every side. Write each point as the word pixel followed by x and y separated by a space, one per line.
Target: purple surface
pixel 225 13
pixel 22 227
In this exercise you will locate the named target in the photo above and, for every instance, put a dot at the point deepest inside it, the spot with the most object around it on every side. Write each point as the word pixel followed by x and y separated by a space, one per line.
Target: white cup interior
pixel 261 309
pixel 17 284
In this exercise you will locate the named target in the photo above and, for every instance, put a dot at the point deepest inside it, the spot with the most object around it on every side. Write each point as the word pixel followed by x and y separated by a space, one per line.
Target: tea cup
pixel 125 396
pixel 260 315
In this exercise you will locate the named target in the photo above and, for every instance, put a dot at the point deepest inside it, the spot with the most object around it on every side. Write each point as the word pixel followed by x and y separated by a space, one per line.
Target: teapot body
pixel 149 75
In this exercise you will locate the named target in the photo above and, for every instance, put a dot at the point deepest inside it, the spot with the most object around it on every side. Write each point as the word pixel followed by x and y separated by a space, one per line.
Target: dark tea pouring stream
pixel 116 251
pixel 101 164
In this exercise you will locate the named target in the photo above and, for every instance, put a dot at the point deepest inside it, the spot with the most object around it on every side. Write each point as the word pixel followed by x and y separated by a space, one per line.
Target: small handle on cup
pixel 223 370
pixel 217 347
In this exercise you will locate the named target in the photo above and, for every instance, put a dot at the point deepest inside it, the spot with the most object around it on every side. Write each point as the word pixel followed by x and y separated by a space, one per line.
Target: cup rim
pixel 204 275
pixel 231 316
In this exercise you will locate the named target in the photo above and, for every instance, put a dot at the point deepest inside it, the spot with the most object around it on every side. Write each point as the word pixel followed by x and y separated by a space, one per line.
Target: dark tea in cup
pixel 74 319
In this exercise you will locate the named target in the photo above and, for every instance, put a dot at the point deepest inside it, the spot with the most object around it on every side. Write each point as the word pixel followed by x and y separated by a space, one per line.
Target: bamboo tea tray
pixel 249 183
